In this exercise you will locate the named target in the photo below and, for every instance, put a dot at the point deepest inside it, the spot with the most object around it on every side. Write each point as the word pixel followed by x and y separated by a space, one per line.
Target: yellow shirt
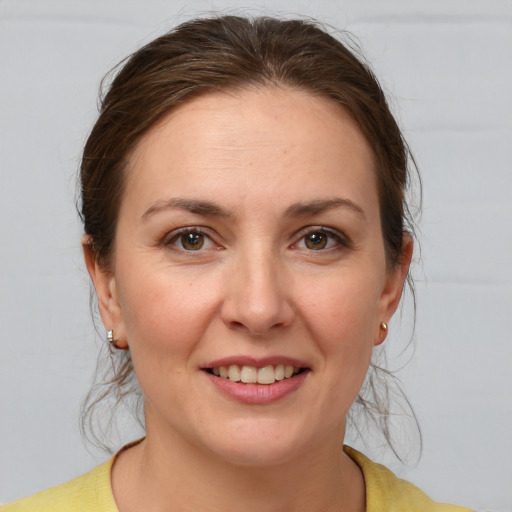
pixel 92 493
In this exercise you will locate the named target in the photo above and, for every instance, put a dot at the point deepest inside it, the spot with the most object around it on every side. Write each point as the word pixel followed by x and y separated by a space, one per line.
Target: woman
pixel 246 234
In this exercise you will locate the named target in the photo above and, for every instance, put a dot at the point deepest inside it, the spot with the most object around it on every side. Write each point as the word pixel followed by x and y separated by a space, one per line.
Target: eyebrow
pixel 210 208
pixel 207 208
pixel 322 205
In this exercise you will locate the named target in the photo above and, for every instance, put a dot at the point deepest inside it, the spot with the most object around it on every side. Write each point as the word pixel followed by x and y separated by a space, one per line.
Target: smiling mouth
pixel 246 374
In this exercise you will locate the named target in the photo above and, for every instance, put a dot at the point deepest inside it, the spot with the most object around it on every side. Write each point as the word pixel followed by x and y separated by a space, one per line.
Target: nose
pixel 257 299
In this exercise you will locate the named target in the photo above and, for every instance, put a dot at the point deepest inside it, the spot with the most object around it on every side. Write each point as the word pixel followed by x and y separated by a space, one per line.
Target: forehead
pixel 273 141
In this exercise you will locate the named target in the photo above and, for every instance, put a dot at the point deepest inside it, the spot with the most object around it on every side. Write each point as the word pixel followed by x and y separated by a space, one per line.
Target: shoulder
pixel 387 493
pixel 90 492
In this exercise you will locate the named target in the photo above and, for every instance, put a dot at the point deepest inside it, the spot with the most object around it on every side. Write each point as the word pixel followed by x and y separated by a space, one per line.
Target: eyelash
pixel 341 241
pixel 175 236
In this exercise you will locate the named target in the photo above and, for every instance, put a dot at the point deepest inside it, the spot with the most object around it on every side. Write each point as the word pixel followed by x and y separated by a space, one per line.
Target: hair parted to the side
pixel 233 53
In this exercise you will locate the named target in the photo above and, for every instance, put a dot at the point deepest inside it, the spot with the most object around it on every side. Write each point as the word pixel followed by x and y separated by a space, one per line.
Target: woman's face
pixel 248 241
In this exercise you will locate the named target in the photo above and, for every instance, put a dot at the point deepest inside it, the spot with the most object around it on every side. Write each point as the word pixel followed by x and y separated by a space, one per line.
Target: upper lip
pixel 258 362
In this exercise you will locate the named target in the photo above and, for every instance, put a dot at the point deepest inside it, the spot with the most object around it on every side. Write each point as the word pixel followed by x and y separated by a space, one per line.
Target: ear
pixel 393 287
pixel 106 292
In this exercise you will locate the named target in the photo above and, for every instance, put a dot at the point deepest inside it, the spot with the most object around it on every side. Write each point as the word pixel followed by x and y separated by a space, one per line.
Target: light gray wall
pixel 448 66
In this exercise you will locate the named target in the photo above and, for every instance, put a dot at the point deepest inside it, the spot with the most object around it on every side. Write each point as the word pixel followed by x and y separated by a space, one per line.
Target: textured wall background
pixel 448 66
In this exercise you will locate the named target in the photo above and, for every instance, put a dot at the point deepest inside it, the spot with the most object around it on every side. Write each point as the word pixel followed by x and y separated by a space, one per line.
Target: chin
pixel 259 445
pixel 250 455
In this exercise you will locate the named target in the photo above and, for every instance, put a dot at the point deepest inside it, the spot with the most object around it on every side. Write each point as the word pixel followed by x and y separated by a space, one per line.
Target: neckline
pixel 358 458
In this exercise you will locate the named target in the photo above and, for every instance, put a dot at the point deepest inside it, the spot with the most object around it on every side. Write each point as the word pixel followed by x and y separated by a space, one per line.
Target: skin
pixel 281 165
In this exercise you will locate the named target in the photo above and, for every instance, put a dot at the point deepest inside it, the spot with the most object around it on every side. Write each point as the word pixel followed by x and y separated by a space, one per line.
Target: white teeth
pixel 234 372
pixel 266 375
pixel 251 374
pixel 279 372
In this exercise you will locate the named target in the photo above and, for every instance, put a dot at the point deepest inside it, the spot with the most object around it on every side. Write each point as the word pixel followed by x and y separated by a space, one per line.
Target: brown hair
pixel 231 52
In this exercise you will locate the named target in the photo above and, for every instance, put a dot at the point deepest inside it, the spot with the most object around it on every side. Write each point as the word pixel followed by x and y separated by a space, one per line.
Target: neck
pixel 164 474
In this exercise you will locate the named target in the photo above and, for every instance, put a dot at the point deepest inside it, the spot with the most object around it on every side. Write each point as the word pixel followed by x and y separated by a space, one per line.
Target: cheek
pixel 164 323
pixel 164 313
pixel 342 314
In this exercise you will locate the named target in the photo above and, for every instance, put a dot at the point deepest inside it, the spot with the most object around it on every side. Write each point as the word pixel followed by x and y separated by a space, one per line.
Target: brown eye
pixel 192 241
pixel 316 240
pixel 189 239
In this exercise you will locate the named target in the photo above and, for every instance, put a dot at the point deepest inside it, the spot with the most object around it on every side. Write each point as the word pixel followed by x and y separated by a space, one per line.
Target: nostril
pixel 252 328
pixel 257 313
pixel 236 325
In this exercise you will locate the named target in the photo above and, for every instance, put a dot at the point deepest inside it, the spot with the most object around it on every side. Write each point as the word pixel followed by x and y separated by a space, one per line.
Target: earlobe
pixel 383 332
pixel 106 293
pixel 392 292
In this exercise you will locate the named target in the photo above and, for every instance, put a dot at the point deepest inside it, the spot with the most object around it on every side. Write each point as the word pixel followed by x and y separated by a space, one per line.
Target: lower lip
pixel 258 394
